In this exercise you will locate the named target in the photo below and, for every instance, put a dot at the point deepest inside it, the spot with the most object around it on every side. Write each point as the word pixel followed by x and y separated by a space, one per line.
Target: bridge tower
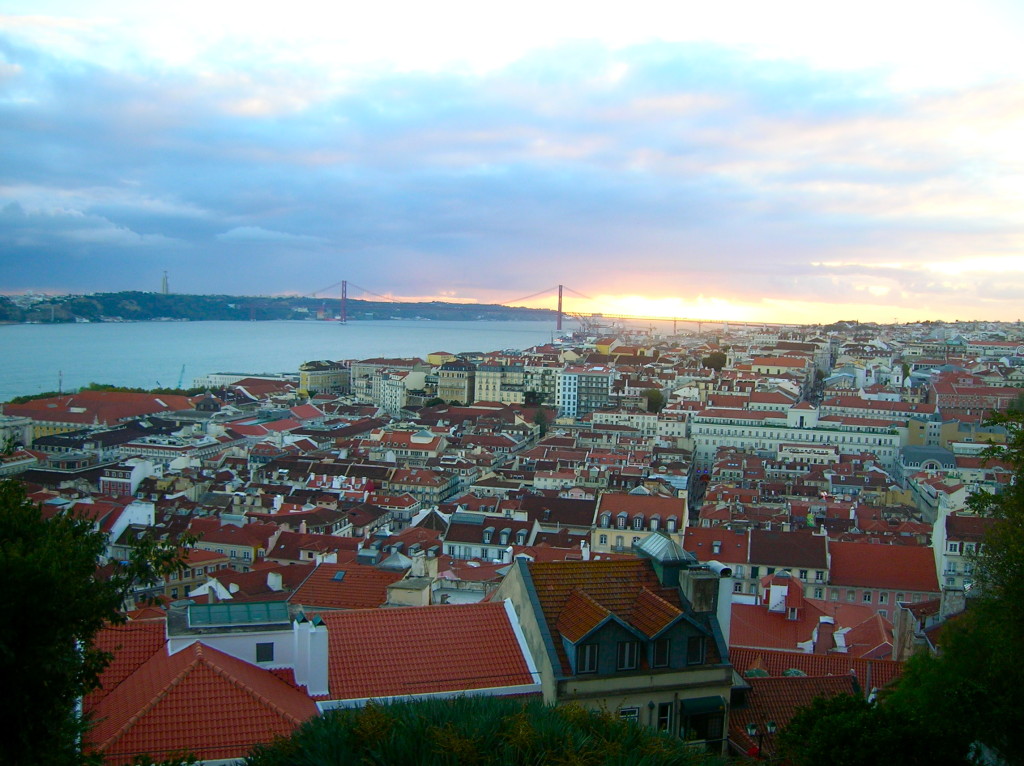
pixel 558 325
pixel 343 317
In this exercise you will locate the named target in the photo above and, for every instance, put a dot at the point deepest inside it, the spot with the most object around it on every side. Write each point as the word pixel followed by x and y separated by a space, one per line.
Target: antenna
pixel 164 289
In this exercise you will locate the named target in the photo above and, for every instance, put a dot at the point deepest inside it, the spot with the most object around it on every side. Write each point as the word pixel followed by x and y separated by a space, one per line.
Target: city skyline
pixel 752 163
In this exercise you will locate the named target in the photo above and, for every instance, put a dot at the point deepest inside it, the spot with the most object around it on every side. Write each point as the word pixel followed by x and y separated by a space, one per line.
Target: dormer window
pixel 488 533
pixel 521 537
pixel 638 522
pixel 503 537
pixel 586 658
pixel 606 520
pixel 716 547
pixel 671 524
pixel 628 655
pixel 661 653
pixel 621 521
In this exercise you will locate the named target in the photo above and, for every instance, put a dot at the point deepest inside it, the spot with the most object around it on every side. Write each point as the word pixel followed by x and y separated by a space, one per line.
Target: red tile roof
pixel 199 700
pixel 361 587
pixel 615 585
pixel 889 567
pixel 580 615
pixel 422 650
pixel 131 645
pixel 776 700
pixel 870 673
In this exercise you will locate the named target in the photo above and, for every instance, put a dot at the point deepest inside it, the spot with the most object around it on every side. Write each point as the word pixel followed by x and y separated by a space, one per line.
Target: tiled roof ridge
pixel 587 597
pixel 152 702
pixel 243 686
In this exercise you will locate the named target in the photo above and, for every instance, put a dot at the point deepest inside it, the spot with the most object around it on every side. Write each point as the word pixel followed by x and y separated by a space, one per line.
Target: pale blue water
pixel 150 354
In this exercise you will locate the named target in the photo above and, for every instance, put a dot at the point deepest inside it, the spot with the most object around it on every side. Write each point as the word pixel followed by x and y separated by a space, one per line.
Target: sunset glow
pixel 752 162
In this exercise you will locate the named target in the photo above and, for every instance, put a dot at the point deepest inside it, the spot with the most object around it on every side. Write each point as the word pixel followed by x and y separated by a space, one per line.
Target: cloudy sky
pixel 784 161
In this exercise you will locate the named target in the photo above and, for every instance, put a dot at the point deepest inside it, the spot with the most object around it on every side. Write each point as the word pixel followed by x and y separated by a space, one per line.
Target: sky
pixel 779 162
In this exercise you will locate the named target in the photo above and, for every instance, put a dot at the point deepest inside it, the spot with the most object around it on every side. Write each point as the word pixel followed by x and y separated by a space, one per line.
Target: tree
pixel 474 730
pixel 848 730
pixel 53 604
pixel 655 399
pixel 975 687
pixel 540 419
pixel 716 360
pixel 968 700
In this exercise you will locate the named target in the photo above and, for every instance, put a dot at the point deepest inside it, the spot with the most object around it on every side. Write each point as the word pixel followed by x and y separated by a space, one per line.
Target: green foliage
pixel 110 387
pixel 978 681
pixel 850 731
pixel 655 399
pixel 473 731
pixel 716 360
pixel 53 604
pixel 541 419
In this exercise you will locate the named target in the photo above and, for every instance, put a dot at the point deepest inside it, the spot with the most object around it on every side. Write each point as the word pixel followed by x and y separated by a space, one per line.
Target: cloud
pixel 258 234
pixel 680 171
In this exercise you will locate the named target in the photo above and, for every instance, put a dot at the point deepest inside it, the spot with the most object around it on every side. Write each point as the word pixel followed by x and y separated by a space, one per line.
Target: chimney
pixel 311 655
pixel 274 581
pixel 723 608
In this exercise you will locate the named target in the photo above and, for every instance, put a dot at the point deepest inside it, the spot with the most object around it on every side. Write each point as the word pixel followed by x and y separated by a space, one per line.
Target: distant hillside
pixel 140 306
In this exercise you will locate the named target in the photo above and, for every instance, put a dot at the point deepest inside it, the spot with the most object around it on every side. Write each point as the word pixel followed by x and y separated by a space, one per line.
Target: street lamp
pixel 754 730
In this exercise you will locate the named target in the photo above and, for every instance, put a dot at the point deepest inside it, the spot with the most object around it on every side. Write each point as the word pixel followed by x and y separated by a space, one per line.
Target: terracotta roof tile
pixel 131 645
pixel 870 673
pixel 199 700
pixel 890 567
pixel 651 614
pixel 580 615
pixel 360 587
pixel 420 650
pixel 777 699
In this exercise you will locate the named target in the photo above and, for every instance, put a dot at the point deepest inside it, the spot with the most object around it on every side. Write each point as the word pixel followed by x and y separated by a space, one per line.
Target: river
pixel 41 357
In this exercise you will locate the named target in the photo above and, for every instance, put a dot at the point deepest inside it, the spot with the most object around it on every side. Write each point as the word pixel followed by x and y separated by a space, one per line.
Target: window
pixel 819 593
pixel 234 554
pixel 866 597
pixel 901 597
pixel 771 570
pixel 636 540
pixel 883 597
pixel 884 613
pixel 619 541
pixel 265 652
pixel 620 522
pixel 695 650
pixel 586 658
pixel 628 655
pixel 803 574
pixel 755 572
pixel 953 547
pixel 819 576
pixel 638 522
pixel 851 595
pixel 737 587
pixel 665 716
pixel 737 571
pixel 631 714
pixel 661 652
pixel 603 540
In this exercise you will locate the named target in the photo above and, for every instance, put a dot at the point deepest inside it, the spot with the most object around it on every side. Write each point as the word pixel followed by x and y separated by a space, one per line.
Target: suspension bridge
pixel 588 320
